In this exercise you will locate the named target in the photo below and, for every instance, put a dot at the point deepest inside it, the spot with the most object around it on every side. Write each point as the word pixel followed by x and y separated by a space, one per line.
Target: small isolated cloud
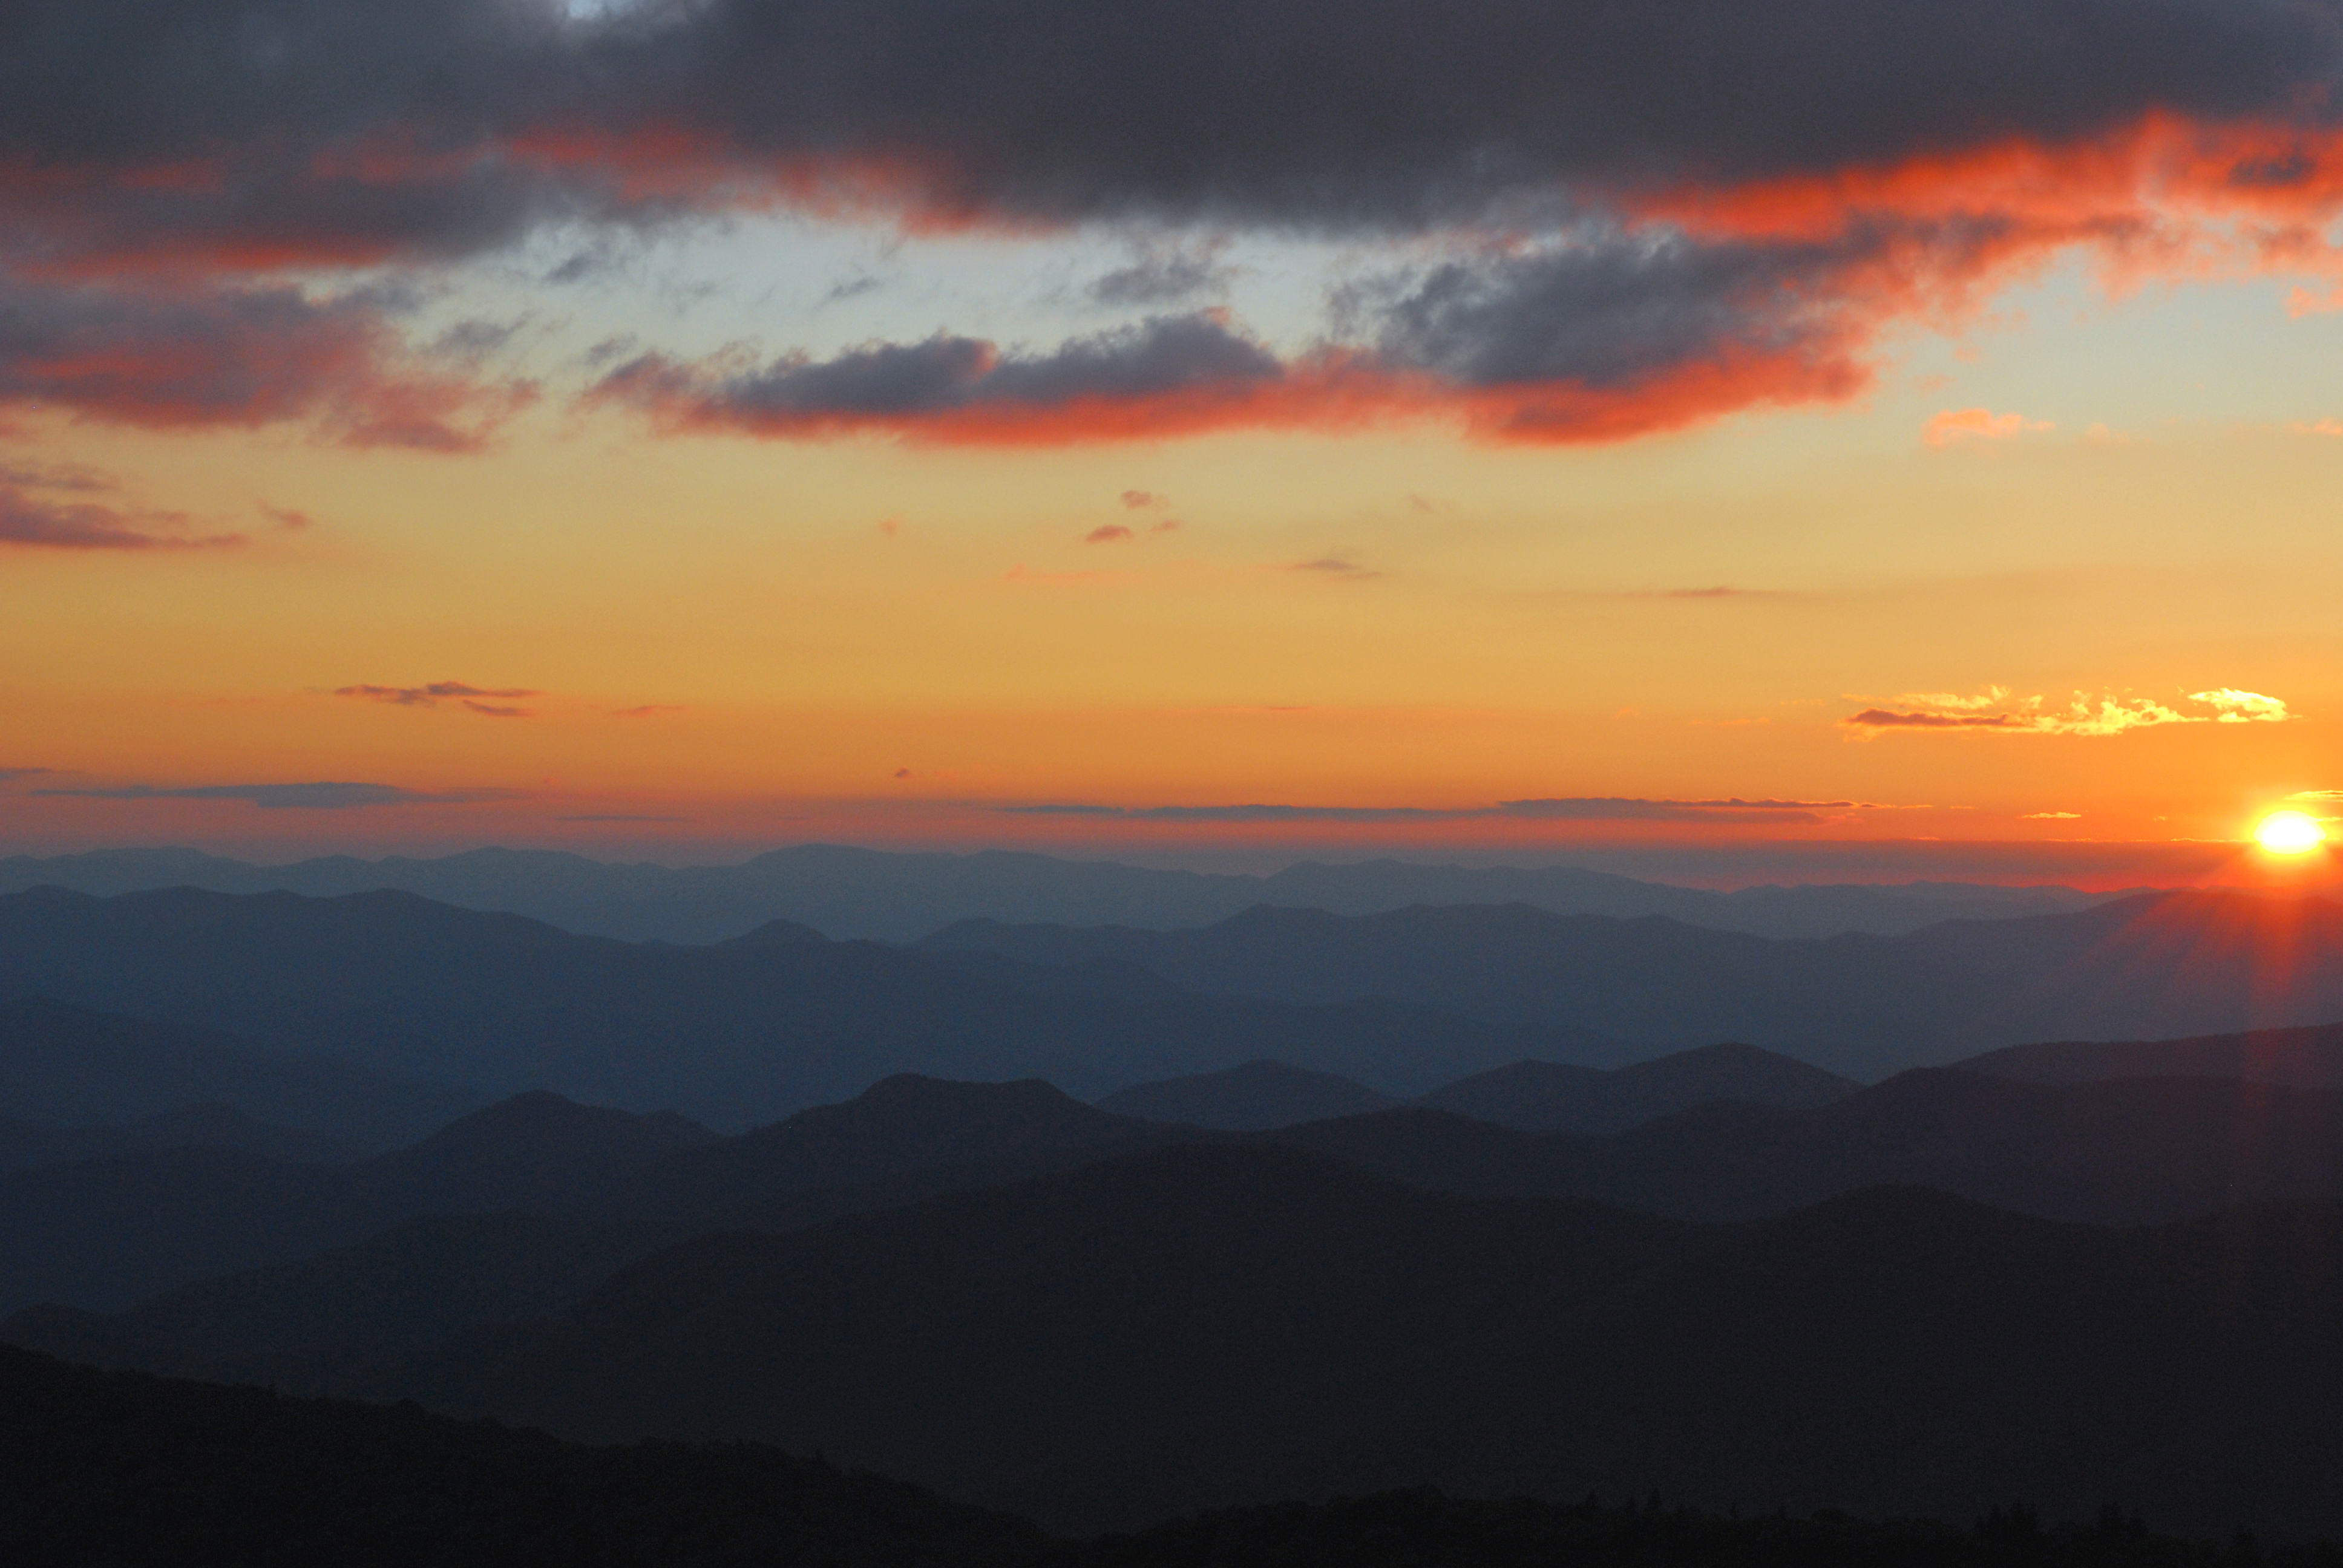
pixel 1162 275
pixel 853 287
pixel 1333 566
pixel 2234 707
pixel 1995 710
pixel 1963 424
pixel 31 519
pixel 890 527
pixel 322 795
pixel 286 518
pixel 1142 500
pixel 431 696
pixel 1107 535
pixel 2051 817
pixel 1168 526
pixel 2317 427
pixel 649 710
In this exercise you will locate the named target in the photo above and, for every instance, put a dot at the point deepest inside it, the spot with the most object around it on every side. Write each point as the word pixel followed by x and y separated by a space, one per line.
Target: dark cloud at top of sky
pixel 443 126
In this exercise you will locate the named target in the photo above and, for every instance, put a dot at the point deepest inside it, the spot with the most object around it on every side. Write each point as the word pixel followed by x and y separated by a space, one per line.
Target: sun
pixel 2290 833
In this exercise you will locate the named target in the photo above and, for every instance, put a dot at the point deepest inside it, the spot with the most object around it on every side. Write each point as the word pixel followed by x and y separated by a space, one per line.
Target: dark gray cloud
pixel 190 355
pixel 440 691
pixel 1608 333
pixel 352 127
pixel 323 796
pixel 1570 808
pixel 1162 358
pixel 9 774
pixel 1620 308
pixel 1161 275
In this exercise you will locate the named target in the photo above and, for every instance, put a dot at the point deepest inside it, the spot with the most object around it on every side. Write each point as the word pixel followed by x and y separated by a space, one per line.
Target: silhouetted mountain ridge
pixel 65 1066
pixel 1859 1005
pixel 897 897
pixel 732 1036
pixel 1255 1323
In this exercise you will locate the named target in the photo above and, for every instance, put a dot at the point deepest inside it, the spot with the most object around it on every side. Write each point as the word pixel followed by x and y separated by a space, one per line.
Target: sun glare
pixel 2290 833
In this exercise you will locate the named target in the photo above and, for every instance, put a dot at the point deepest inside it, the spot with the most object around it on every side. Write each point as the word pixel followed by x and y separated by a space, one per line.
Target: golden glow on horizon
pixel 2290 833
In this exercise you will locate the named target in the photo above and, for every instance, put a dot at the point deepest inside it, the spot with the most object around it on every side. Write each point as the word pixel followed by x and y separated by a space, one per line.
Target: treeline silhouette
pixel 131 1470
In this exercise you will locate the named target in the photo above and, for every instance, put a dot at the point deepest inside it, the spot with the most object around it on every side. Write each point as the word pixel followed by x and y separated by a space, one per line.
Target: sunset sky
pixel 1827 439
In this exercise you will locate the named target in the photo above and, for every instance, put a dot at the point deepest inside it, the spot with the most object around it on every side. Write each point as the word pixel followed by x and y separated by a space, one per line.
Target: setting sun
pixel 2290 833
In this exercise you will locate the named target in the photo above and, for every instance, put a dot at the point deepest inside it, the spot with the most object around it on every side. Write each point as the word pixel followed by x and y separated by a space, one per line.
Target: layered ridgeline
pixel 896 897
pixel 752 1029
pixel 96 1082
pixel 1861 1006
pixel 1210 1325
pixel 579 1220
pixel 1537 1096
pixel 732 1034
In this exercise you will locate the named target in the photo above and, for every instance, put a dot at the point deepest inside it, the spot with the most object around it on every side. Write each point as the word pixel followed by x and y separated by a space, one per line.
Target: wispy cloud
pixel 35 513
pixel 1568 808
pixel 1996 711
pixel 1954 425
pixel 2235 707
pixel 321 796
pixel 649 710
pixel 1109 534
pixel 439 691
pixel 2051 817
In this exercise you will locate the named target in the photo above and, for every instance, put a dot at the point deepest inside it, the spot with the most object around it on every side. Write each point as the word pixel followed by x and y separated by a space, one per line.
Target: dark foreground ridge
pixel 127 1468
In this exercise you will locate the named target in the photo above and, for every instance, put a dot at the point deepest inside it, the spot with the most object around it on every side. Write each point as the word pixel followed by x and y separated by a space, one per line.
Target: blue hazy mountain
pixel 69 1066
pixel 1252 1097
pixel 2309 1058
pixel 846 892
pixel 1860 1005
pixel 1552 1096
pixel 733 1035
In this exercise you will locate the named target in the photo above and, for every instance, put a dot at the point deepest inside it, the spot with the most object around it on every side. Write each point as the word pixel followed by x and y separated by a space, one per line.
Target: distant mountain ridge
pixel 849 893
pixel 1252 1097
pixel 1255 1323
pixel 1861 1006
pixel 735 1035
pixel 1536 1095
pixel 2309 1058
pixel 63 1066
pixel 1548 1096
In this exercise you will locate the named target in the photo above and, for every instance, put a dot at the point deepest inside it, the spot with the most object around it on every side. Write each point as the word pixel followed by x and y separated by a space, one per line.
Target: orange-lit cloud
pixel 1994 712
pixel 1961 424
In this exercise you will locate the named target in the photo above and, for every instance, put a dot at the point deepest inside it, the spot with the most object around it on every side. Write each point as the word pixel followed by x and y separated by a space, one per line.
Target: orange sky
pixel 2009 558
